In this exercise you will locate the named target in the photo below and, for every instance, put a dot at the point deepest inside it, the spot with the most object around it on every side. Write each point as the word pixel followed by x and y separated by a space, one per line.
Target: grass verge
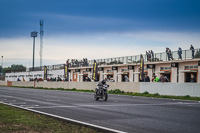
pixel 17 121
pixel 119 92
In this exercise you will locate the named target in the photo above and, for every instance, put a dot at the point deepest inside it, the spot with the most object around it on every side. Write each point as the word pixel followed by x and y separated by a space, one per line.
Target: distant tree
pixel 14 68
pixel 197 54
pixel 17 66
pixel 0 69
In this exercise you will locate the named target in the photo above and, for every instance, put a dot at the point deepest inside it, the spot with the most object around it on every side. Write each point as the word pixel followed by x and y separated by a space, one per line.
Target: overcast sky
pixel 95 28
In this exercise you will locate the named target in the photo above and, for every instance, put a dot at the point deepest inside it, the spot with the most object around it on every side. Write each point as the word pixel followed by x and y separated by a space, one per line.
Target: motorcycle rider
pixel 100 84
pixel 101 90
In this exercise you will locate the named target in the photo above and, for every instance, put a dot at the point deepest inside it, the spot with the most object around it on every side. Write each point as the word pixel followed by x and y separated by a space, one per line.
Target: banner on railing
pixel 45 72
pixel 141 68
pixel 95 71
pixel 66 70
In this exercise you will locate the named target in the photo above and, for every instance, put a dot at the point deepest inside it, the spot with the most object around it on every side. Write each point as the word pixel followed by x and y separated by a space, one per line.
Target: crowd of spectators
pixel 150 53
pixel 76 63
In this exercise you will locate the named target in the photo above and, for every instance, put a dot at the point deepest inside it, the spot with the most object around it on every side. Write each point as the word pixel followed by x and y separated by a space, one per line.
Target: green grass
pixel 119 92
pixel 156 95
pixel 17 120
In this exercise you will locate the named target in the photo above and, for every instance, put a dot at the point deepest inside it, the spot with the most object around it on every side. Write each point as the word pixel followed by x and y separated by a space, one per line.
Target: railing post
pixel 185 55
pixel 160 56
pixel 135 58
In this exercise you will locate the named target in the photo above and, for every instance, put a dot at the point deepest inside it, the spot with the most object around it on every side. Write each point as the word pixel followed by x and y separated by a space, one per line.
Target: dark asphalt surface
pixel 123 113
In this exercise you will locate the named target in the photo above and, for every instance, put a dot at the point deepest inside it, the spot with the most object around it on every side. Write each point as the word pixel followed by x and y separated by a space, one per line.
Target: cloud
pixel 58 48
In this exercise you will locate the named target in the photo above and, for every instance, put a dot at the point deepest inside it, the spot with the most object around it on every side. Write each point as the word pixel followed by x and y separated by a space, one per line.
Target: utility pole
pixel 34 35
pixel 41 41
pixel 2 62
pixel 2 66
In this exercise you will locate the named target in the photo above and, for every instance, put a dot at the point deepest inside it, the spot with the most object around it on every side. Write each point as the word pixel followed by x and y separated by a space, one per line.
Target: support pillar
pixel 101 75
pixel 174 75
pixel 150 73
pixel 131 75
pixel 115 76
pixel 198 77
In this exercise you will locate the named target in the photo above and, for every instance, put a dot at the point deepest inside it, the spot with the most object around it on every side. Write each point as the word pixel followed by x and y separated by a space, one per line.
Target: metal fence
pixel 186 54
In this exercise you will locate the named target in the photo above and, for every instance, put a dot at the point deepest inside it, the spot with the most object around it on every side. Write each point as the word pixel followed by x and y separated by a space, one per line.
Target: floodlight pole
pixel 41 42
pixel 2 66
pixel 2 62
pixel 34 35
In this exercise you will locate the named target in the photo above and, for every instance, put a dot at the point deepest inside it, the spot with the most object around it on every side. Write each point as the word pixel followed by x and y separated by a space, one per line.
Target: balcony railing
pixel 186 54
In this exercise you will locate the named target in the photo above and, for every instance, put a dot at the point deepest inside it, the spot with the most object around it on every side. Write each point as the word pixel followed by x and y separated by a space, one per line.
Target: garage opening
pixel 188 76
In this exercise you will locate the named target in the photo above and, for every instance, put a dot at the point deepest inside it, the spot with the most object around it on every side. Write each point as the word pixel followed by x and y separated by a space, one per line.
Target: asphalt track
pixel 118 114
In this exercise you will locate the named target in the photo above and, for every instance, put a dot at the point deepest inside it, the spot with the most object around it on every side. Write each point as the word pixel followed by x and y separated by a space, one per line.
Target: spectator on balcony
pixel 148 56
pixel 180 53
pixel 152 55
pixel 76 63
pixel 86 61
pixel 169 54
pixel 192 49
pixel 192 79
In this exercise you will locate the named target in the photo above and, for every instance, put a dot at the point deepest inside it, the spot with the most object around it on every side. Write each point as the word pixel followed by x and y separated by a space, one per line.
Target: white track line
pixel 116 105
pixel 68 119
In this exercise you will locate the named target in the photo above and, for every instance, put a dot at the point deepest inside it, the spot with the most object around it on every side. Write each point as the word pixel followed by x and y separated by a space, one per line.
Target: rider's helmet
pixel 103 81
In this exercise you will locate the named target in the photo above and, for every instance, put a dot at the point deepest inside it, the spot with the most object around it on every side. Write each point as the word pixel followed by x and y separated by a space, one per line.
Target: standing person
pixel 109 79
pixel 180 53
pixel 192 79
pixel 155 79
pixel 126 78
pixel 148 56
pixel 146 79
pixel 87 79
pixel 169 54
pixel 192 49
pixel 167 51
pixel 163 79
pixel 152 55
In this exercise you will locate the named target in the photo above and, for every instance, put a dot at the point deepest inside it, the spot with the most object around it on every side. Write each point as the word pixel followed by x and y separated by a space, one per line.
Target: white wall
pixel 176 89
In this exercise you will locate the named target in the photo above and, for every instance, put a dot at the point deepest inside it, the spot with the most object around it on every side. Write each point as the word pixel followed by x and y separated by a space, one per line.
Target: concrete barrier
pixel 23 83
pixel 176 89
pixel 125 86
pixel 3 83
pixel 52 85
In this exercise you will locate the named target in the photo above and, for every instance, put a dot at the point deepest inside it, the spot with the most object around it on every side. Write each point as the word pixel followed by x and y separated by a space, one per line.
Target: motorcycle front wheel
pixel 105 97
pixel 95 97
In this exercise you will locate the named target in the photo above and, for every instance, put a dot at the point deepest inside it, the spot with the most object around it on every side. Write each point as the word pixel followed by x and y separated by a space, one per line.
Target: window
pixel 125 70
pixel 165 68
pixel 191 67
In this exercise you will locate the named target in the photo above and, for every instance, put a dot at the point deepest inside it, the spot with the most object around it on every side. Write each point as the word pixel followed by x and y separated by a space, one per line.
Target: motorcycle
pixel 101 92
